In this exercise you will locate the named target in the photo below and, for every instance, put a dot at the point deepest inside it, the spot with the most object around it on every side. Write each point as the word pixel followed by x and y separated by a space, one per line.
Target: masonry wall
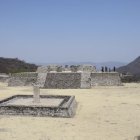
pixel 63 80
pixel 85 80
pixel 22 79
pixel 4 77
pixel 105 79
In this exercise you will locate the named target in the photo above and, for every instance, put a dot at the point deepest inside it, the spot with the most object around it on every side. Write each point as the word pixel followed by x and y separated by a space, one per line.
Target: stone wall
pixel 63 80
pixel 72 68
pixel 41 79
pixel 42 69
pixel 105 79
pixel 22 79
pixel 4 77
pixel 45 69
pixel 85 80
pixel 66 80
pixel 75 80
pixel 87 68
pixel 67 108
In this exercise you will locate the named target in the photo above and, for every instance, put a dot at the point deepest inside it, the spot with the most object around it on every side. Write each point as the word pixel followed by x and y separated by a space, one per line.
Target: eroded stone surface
pixel 46 102
pixel 105 79
pixel 55 106
pixel 36 94
pixel 63 80
pixel 68 77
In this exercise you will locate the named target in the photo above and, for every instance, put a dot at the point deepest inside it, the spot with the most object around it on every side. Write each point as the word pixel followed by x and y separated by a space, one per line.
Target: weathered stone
pixel 87 68
pixel 105 79
pixel 50 68
pixel 59 69
pixel 50 105
pixel 79 77
pixel 41 79
pixel 4 77
pixel 74 68
pixel 63 80
pixel 55 68
pixel 22 79
pixel 36 95
pixel 42 69
pixel 85 80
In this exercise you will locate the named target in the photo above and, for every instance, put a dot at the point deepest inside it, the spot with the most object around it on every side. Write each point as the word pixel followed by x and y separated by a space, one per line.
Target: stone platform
pixel 54 106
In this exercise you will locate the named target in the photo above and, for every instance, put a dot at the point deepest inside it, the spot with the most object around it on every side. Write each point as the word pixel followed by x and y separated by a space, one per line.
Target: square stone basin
pixel 54 106
pixel 46 102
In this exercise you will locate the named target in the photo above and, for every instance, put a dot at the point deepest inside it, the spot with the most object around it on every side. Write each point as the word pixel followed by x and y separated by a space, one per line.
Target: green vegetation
pixel 14 65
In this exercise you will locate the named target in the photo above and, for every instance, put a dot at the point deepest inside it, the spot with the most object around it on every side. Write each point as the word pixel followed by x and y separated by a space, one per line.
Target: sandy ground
pixel 103 113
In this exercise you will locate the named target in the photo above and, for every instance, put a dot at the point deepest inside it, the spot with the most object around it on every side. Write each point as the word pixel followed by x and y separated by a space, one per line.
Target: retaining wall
pixel 105 79
pixel 4 77
pixel 66 80
pixel 85 80
pixel 63 80
pixel 22 79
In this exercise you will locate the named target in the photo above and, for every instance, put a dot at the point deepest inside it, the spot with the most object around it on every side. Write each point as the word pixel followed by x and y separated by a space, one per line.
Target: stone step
pixel 41 79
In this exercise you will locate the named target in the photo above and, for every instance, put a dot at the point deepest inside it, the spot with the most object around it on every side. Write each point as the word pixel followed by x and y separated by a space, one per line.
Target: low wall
pixel 63 80
pixel 85 80
pixel 66 80
pixel 4 77
pixel 66 109
pixel 22 79
pixel 105 79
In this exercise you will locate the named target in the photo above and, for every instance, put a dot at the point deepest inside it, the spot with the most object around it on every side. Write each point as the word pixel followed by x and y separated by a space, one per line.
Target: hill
pixel 132 68
pixel 14 65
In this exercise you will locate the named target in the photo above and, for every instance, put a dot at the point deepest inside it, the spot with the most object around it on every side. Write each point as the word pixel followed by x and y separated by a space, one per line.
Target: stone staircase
pixel 41 79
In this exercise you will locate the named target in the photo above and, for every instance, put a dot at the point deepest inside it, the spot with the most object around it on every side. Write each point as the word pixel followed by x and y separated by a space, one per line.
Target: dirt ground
pixel 103 113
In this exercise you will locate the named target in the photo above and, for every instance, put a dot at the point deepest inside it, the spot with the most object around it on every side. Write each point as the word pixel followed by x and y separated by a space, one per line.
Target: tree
pixel 106 69
pixel 114 69
pixel 102 69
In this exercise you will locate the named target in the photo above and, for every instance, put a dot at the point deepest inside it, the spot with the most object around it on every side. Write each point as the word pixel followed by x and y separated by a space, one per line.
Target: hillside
pixel 14 65
pixel 132 68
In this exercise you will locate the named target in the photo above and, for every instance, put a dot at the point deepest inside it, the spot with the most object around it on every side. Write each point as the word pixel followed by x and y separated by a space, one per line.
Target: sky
pixel 49 31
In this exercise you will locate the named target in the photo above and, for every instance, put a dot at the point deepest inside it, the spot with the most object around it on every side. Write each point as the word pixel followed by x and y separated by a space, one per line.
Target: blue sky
pixel 70 30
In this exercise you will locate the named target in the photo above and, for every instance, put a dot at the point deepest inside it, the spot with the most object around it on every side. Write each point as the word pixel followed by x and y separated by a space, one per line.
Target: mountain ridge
pixel 132 68
pixel 14 65
pixel 131 72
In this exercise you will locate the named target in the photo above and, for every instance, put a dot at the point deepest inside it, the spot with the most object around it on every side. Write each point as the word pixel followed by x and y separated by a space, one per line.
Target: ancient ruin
pixel 67 77
pixel 4 77
pixel 39 105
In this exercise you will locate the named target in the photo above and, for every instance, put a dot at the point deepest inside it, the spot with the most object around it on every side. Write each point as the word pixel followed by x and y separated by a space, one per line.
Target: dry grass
pixel 103 113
